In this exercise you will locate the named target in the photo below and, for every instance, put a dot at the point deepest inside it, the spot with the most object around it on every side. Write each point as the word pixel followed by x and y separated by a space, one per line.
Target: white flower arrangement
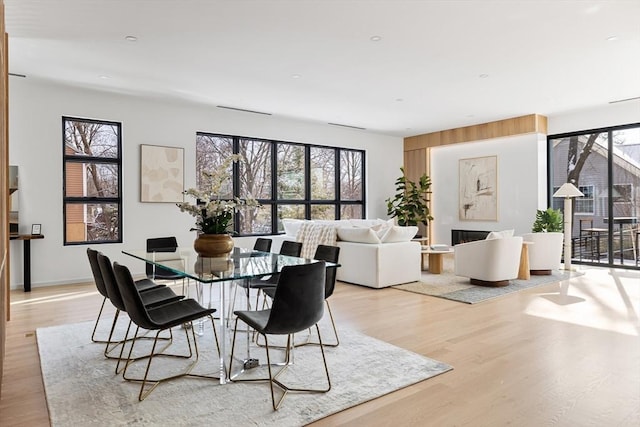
pixel 213 214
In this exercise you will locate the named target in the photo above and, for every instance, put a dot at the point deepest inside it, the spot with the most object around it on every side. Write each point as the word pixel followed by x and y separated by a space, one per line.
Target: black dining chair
pixel 288 248
pixel 150 298
pixel 262 244
pixel 142 285
pixel 329 254
pixel 298 304
pixel 160 318
pixel 163 246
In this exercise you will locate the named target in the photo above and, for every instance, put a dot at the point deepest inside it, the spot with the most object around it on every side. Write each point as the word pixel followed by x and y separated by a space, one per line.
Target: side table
pixel 26 255
pixel 523 270
pixel 435 259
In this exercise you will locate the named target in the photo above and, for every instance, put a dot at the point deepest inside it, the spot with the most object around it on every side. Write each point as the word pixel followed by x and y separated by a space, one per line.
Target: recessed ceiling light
pixel 131 38
pixel 105 77
pixel 375 38
pixel 612 38
pixel 295 76
pixel 483 76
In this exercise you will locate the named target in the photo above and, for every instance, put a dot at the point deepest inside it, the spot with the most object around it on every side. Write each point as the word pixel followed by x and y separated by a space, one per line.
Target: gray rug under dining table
pixel 82 389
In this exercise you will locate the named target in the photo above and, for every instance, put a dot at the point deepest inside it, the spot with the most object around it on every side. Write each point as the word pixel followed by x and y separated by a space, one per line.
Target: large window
pixel 290 180
pixel 605 166
pixel 92 203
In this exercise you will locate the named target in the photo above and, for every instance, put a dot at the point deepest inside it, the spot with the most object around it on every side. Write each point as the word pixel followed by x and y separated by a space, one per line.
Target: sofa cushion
pixel 358 235
pixel 367 223
pixel 500 234
pixel 397 233
pixel 291 226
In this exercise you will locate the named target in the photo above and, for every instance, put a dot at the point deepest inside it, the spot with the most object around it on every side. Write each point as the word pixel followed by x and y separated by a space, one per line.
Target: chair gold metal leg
pixel 148 384
pixel 95 327
pixel 273 379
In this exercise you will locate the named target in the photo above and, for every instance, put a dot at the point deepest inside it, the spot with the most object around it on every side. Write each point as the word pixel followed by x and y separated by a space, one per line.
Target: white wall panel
pixel 35 139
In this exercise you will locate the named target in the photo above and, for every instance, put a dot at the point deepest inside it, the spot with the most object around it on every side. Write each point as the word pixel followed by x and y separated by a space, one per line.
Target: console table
pixel 26 255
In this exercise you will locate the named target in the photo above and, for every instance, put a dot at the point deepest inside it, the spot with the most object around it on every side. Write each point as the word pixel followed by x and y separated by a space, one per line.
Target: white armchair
pixel 488 262
pixel 545 254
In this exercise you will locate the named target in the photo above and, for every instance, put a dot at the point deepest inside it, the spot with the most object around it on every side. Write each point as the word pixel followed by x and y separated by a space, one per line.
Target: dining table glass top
pixel 242 263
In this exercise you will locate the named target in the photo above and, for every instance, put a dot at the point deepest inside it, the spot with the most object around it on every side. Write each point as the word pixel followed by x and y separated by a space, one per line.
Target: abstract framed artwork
pixel 161 174
pixel 478 189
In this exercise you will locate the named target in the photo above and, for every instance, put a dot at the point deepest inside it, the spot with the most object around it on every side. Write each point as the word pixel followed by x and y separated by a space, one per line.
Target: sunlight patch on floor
pixel 604 299
pixel 54 298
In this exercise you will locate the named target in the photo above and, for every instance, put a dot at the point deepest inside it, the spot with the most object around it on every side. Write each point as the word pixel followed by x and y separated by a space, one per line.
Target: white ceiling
pixel 438 64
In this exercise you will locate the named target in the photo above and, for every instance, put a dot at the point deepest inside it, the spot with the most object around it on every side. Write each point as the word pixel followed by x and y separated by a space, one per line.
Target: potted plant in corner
pixel 410 204
pixel 545 250
pixel 548 221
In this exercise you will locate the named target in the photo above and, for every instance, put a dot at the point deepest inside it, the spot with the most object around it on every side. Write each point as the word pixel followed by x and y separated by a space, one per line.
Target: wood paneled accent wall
pixel 532 123
pixel 417 149
pixel 4 191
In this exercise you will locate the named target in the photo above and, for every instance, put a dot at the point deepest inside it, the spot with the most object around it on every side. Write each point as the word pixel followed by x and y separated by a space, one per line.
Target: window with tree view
pixel 92 181
pixel 290 180
pixel 604 164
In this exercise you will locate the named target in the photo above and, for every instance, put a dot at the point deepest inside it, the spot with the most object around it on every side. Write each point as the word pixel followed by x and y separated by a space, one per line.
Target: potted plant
pixel 410 204
pixel 548 221
pixel 214 214
pixel 545 251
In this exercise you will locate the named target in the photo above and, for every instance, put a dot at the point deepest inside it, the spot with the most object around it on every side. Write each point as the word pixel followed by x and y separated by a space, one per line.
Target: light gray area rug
pixel 82 389
pixel 456 288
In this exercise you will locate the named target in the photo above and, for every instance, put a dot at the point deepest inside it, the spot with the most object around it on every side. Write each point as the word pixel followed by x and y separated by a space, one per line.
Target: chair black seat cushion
pixel 174 314
pixel 159 296
pixel 144 285
pixel 255 319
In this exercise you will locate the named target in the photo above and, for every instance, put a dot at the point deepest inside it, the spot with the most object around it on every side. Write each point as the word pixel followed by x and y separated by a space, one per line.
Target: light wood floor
pixel 561 355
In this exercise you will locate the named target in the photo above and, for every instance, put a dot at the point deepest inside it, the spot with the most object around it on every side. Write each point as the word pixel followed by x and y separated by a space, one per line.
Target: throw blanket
pixel 311 235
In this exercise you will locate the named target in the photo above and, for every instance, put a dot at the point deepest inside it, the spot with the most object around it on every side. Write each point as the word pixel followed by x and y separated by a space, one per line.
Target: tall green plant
pixel 548 221
pixel 410 204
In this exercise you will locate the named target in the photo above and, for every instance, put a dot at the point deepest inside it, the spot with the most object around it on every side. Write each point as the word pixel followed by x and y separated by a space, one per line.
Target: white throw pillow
pixel 291 226
pixel 358 235
pixel 500 234
pixel 399 234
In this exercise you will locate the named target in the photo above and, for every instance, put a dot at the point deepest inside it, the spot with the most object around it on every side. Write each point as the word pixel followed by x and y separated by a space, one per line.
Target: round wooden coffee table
pixel 435 258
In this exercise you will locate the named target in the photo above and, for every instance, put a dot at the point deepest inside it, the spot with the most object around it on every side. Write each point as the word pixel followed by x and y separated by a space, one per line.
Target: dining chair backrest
pixel 329 254
pixel 262 244
pixel 291 248
pixel 161 244
pixel 131 297
pixel 92 254
pixel 106 269
pixel 298 302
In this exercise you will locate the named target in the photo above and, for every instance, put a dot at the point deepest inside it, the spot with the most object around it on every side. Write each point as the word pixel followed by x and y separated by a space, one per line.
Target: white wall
pixel 622 113
pixel 521 184
pixel 35 136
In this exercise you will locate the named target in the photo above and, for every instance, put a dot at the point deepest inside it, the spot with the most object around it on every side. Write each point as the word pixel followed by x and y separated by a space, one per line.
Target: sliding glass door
pixel 604 164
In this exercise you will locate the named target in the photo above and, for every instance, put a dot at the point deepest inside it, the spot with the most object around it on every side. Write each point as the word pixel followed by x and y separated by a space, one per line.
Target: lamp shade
pixel 568 190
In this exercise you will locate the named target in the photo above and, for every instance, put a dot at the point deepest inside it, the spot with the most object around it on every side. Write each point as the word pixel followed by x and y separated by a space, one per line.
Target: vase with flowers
pixel 214 213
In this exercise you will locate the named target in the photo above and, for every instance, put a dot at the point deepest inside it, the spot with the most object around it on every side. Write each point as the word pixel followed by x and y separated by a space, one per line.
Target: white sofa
pixel 382 255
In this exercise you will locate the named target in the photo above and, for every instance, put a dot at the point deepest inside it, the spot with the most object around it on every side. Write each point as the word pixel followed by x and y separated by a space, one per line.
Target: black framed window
pixel 92 181
pixel 289 179
pixel 604 164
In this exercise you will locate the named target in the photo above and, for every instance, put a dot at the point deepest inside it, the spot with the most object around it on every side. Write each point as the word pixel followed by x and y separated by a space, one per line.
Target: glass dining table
pixel 243 264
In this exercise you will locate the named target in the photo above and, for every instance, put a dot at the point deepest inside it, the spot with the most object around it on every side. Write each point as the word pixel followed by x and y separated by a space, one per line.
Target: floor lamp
pixel 568 191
